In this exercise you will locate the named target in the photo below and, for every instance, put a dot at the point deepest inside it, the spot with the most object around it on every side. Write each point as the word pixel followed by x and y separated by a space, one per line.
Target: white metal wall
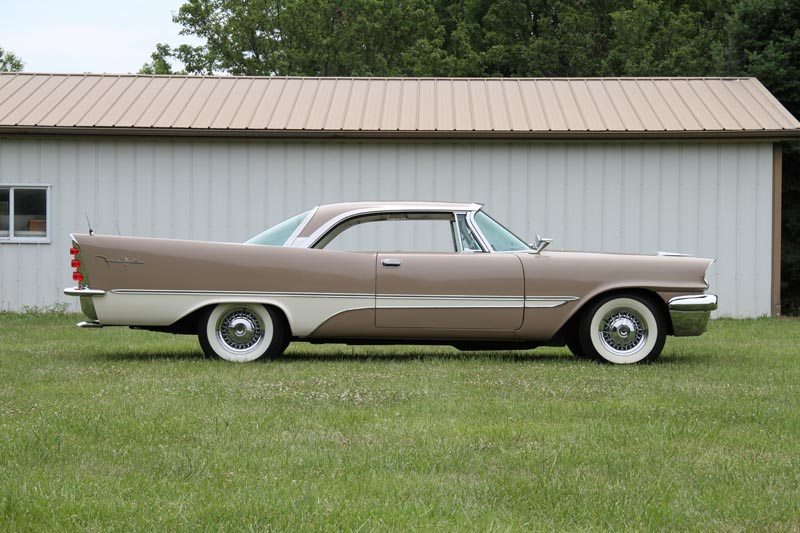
pixel 708 199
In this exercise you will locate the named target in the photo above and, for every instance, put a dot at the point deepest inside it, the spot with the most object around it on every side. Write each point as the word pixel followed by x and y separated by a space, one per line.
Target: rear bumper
pixel 690 313
pixel 81 291
pixel 87 305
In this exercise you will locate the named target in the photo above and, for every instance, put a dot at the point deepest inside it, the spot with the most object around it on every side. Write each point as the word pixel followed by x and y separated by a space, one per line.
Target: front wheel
pixel 622 329
pixel 242 332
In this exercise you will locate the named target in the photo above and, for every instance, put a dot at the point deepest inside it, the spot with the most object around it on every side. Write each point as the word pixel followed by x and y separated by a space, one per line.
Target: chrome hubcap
pixel 623 331
pixel 240 329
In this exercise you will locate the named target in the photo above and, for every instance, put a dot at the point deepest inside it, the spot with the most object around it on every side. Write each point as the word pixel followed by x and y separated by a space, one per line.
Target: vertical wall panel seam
pixel 737 225
pixel 546 191
pixel 660 202
pixel 603 181
pixel 681 174
pixel 641 196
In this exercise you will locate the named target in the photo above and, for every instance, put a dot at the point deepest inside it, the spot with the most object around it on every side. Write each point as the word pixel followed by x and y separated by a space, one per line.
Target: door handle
pixel 391 262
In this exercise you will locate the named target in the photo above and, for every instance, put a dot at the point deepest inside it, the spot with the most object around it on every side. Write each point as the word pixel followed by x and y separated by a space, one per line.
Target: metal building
pixel 633 165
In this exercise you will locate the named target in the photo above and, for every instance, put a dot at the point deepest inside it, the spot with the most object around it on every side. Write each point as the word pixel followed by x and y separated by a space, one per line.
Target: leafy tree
pixel 651 39
pixel 10 62
pixel 764 41
pixel 309 37
pixel 159 61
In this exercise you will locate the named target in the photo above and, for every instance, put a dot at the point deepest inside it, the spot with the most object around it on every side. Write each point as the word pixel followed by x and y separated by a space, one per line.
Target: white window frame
pixel 49 215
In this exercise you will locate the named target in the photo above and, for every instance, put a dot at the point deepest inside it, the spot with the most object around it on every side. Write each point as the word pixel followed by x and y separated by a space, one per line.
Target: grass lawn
pixel 125 429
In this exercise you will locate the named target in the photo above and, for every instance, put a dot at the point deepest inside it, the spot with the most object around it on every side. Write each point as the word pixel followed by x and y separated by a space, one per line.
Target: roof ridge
pixel 408 78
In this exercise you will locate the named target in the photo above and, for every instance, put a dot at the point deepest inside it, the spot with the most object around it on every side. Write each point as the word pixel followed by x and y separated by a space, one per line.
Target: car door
pixel 449 291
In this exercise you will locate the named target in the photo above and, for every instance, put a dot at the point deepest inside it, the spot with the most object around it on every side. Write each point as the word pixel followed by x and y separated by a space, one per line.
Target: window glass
pixel 278 234
pixel 469 243
pixel 394 233
pixel 30 212
pixel 5 206
pixel 500 239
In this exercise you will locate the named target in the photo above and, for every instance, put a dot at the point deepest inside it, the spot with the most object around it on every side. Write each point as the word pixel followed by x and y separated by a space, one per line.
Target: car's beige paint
pixel 186 275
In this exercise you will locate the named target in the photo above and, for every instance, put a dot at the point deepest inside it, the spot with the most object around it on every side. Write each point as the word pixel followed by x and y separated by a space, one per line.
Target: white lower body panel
pixel 305 312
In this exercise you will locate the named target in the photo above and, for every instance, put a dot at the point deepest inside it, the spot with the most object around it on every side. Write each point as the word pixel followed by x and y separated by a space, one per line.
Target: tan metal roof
pixel 410 107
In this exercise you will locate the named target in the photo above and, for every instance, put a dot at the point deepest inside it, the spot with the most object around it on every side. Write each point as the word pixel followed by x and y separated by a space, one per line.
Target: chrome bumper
pixel 87 305
pixel 690 313
pixel 81 291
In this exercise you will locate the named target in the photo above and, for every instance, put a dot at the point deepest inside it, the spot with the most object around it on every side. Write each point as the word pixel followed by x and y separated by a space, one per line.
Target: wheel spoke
pixel 240 329
pixel 623 331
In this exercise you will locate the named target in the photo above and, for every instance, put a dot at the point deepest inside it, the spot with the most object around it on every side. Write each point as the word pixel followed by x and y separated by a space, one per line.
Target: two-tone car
pixel 391 272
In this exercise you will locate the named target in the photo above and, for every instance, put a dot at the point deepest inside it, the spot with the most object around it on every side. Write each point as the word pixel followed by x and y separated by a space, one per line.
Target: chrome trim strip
pixel 382 301
pixel 548 301
pixel 449 297
pixel 241 293
pixel 78 291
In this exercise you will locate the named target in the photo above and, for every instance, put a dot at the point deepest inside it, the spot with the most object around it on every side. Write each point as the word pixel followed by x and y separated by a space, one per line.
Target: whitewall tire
pixel 242 332
pixel 622 329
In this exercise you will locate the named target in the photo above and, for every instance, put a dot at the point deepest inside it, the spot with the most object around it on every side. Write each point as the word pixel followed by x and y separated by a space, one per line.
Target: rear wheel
pixel 242 332
pixel 622 329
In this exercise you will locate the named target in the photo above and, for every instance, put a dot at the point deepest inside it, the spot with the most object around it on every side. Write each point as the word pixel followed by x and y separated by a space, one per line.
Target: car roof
pixel 326 212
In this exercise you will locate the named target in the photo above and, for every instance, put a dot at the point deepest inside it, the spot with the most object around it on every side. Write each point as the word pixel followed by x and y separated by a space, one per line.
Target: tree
pixel 764 41
pixel 10 62
pixel 159 61
pixel 308 37
pixel 650 38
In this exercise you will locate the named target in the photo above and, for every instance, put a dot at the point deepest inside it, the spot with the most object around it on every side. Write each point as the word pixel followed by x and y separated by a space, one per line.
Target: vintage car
pixel 391 272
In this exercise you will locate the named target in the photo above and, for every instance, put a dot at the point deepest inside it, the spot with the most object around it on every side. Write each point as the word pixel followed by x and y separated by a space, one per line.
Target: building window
pixel 24 213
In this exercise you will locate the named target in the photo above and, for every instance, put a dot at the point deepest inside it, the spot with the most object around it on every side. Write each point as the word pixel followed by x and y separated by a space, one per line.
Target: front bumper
pixel 690 313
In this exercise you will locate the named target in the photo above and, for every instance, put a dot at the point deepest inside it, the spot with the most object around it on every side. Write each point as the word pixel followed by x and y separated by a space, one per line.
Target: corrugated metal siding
pixel 392 105
pixel 709 199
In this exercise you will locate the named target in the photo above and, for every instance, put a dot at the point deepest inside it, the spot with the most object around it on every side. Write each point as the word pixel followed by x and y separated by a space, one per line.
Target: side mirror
pixel 540 244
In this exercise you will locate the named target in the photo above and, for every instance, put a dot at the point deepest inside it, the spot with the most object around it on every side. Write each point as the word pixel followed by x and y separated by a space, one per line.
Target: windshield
pixel 278 234
pixel 500 239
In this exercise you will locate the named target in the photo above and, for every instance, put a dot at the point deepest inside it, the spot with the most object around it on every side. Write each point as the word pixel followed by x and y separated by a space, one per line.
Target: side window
pixel 393 232
pixel 24 213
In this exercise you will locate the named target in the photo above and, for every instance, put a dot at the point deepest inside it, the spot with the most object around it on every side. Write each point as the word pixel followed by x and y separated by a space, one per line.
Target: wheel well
pixel 188 324
pixel 572 323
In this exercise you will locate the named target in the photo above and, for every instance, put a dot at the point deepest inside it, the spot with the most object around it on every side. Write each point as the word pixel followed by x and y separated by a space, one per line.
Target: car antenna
pixel 116 224
pixel 91 231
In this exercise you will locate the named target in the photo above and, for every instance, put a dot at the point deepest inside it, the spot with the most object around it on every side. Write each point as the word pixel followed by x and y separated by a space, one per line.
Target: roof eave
pixel 764 135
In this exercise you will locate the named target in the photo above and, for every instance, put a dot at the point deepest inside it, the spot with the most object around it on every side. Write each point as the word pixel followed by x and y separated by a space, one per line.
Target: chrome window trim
pixel 457 233
pixel 469 228
pixel 481 238
pixel 323 230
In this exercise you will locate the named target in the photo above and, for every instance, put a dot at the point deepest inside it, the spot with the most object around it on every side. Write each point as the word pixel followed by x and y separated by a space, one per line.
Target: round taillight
pixel 73 251
pixel 75 263
pixel 77 276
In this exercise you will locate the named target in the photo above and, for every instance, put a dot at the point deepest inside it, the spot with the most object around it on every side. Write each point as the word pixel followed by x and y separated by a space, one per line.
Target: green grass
pixel 121 429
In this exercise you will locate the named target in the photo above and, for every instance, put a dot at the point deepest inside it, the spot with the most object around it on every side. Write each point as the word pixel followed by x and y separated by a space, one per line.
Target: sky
pixel 87 35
